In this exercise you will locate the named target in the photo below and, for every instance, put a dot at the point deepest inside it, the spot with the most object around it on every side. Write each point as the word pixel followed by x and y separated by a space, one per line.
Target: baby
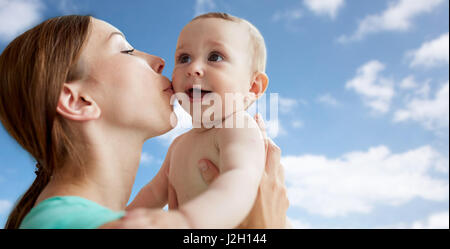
pixel 217 55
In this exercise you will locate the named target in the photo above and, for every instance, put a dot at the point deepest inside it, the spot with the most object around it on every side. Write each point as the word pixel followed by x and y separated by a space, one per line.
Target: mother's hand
pixel 271 205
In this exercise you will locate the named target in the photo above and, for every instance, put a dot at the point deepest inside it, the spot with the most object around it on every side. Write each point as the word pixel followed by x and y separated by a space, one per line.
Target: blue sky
pixel 363 90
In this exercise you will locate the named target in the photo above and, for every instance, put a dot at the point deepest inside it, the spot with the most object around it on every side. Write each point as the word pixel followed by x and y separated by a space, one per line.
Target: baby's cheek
pixel 176 82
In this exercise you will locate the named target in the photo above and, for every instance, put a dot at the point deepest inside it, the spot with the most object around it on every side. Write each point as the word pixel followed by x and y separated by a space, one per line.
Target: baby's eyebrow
pixel 210 42
pixel 215 43
pixel 222 46
pixel 180 47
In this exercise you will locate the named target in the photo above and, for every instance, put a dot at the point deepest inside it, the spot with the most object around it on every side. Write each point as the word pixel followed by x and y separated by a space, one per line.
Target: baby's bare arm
pixel 155 193
pixel 230 197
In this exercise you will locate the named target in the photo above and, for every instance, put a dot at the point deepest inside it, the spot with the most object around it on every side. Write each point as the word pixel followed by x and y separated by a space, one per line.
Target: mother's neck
pixel 111 164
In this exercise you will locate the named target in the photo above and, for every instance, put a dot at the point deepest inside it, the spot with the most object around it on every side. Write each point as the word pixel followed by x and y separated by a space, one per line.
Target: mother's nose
pixel 156 63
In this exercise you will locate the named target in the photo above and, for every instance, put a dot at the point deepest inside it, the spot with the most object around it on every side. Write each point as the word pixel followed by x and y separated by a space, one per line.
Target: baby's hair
pixel 257 40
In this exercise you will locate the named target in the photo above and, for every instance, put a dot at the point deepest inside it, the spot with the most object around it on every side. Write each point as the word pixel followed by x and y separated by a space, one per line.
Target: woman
pixel 82 102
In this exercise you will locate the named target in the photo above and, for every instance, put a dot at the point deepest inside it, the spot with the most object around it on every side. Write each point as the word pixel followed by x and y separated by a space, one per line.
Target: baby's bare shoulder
pixel 178 140
pixel 241 120
pixel 244 128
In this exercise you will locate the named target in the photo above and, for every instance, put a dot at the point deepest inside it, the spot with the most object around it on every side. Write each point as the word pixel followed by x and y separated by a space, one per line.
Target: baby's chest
pixel 184 174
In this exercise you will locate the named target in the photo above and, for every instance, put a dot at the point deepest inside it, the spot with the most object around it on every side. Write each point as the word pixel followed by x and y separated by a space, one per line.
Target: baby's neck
pixel 230 121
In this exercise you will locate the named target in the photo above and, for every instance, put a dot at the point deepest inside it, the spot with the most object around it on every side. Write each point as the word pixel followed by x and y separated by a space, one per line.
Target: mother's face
pixel 126 84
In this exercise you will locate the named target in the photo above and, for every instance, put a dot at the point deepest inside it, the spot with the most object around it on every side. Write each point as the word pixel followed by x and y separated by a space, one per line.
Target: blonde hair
pixel 257 40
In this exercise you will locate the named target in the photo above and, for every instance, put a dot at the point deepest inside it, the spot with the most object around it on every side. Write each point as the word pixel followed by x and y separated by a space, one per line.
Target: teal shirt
pixel 68 212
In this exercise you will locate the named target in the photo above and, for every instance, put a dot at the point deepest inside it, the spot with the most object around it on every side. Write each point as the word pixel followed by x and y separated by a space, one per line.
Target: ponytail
pixel 28 199
pixel 33 69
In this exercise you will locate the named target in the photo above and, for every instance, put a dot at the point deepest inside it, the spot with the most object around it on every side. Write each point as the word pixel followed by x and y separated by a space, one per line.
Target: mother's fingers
pixel 208 170
pixel 273 158
pixel 281 173
pixel 262 127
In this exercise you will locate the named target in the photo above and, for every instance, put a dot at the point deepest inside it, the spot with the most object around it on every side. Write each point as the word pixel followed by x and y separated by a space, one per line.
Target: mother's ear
pixel 74 105
pixel 258 85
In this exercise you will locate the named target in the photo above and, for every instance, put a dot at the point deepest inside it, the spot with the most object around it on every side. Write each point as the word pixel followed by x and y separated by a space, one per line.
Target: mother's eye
pixel 214 56
pixel 130 51
pixel 184 58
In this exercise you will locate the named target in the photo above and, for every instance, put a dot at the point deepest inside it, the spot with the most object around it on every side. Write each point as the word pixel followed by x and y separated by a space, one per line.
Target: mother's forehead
pixel 99 36
pixel 102 29
pixel 97 42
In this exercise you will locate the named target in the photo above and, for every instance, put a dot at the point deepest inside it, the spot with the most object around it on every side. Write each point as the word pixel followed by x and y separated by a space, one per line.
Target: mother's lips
pixel 169 90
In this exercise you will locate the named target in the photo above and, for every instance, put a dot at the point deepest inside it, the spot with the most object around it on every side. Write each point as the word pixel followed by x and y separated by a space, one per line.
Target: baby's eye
pixel 184 58
pixel 214 56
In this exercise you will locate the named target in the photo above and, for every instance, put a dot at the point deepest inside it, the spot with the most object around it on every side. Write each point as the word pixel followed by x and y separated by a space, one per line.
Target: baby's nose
pixel 195 70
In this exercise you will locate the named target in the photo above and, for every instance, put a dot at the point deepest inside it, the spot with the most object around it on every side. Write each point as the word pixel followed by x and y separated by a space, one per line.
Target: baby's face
pixel 214 55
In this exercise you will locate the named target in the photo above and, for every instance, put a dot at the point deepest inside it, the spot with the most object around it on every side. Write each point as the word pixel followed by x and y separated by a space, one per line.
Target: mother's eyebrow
pixel 115 33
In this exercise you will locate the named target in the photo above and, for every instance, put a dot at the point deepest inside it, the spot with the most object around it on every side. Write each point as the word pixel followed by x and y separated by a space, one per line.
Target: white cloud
pixel 434 221
pixel 408 83
pixel 432 53
pixel 324 7
pixel 288 15
pixel 358 181
pixel 287 105
pixel 17 16
pixel 327 99
pixel 376 91
pixel 203 6
pixel 274 128
pixel 423 91
pixel 146 158
pixel 68 7
pixel 297 224
pixel 431 113
pixel 275 103
pixel 297 124
pixel 411 88
pixel 397 17
pixel 5 206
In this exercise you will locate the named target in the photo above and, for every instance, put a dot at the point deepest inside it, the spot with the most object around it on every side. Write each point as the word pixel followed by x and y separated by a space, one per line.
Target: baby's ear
pixel 259 84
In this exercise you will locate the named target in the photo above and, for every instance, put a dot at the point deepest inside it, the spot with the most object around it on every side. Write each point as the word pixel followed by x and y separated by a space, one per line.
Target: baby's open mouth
pixel 196 93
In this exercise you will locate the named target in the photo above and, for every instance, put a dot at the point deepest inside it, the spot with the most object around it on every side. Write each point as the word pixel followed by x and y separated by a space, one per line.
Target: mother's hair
pixel 33 69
